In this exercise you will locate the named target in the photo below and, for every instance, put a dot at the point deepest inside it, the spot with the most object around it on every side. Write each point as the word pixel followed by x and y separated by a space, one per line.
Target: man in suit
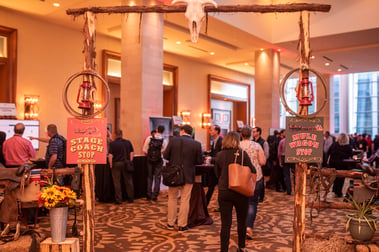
pixel 186 151
pixel 216 144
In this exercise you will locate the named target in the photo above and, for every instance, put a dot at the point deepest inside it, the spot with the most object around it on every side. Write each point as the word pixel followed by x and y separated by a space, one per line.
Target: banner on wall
pixel 87 141
pixel 304 140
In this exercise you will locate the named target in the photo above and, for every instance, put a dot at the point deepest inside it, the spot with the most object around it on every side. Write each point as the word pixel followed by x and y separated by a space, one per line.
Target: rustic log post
pixel 301 168
pixel 294 7
pixel 330 205
pixel 88 169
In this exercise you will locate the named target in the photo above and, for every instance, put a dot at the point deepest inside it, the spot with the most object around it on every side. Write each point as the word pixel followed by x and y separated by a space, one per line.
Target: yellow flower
pixel 49 192
pixel 50 203
pixel 71 194
pixel 59 196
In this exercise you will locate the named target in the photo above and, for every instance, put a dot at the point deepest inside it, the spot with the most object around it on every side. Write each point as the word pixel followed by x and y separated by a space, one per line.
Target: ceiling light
pixel 279 50
pixel 212 53
pixel 261 49
pixel 327 64
pixel 313 57
pixel 178 42
pixel 56 4
pixel 246 64
pixel 339 69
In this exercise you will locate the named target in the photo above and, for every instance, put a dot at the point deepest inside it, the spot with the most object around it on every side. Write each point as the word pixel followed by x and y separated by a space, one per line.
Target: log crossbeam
pixel 295 7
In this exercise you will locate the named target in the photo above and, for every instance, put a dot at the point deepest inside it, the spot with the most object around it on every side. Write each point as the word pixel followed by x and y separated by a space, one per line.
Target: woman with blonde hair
pixel 339 151
pixel 227 198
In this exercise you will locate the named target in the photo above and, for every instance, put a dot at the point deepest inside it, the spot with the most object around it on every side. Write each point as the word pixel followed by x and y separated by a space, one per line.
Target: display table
pixel 198 213
pixel 104 189
pixel 351 163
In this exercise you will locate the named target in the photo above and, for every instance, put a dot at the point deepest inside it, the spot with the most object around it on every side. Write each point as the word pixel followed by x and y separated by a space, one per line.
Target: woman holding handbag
pixel 227 198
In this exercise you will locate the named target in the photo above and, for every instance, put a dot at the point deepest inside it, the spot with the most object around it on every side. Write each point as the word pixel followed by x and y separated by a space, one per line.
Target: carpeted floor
pixel 141 226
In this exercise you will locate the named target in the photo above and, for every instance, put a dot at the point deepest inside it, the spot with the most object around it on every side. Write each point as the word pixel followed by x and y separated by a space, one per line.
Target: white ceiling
pixel 346 38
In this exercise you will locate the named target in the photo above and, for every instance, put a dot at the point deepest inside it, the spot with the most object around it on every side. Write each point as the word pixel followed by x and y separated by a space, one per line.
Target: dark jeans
pixel 226 200
pixel 337 186
pixel 212 182
pixel 253 203
pixel 261 195
pixel 153 173
pixel 119 173
pixel 287 176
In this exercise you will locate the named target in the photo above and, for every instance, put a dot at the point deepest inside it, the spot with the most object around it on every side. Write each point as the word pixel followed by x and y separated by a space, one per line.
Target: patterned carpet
pixel 140 226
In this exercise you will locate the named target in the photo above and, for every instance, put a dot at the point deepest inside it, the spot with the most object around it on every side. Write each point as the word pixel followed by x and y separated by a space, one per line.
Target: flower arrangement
pixel 54 196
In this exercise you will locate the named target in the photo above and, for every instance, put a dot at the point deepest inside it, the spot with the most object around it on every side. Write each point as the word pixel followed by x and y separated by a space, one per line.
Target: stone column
pixel 325 112
pixel 141 93
pixel 267 103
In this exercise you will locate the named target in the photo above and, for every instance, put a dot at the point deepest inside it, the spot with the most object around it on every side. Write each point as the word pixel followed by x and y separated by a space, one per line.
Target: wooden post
pixel 301 168
pixel 88 169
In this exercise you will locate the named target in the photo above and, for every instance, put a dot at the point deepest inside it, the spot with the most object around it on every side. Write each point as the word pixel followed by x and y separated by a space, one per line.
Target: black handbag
pixel 173 174
pixel 129 166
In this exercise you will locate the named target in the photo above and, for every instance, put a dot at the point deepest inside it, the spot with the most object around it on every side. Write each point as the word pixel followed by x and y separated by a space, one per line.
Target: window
pixel 292 101
pixel 8 64
pixel 362 103
pixel 336 100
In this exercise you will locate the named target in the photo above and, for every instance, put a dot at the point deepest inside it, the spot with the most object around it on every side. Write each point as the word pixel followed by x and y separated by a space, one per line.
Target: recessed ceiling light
pixel 56 4
pixel 261 49
pixel 313 57
pixel 279 50
pixel 339 69
pixel 178 42
pixel 212 53
pixel 327 64
pixel 246 64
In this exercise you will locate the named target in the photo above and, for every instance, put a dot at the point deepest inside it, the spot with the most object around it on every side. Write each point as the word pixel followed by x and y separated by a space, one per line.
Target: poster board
pixel 223 119
pixel 164 121
pixel 304 140
pixel 31 129
pixel 87 141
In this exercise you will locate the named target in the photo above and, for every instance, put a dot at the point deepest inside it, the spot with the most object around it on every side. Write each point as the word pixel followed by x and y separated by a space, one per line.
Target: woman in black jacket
pixel 228 198
pixel 339 151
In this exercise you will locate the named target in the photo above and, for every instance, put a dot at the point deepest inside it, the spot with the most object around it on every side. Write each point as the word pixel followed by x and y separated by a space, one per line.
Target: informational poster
pixel 87 141
pixel 304 140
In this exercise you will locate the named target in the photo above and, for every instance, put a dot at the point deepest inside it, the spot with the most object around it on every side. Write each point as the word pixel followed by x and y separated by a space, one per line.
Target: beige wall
pixel 193 87
pixel 49 54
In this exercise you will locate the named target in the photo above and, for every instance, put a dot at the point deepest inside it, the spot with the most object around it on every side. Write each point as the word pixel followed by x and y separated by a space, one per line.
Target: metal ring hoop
pixel 288 109
pixel 70 109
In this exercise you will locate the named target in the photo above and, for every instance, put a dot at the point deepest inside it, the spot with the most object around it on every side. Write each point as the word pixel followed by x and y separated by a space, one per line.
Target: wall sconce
pixel 31 108
pixel 205 120
pixel 186 117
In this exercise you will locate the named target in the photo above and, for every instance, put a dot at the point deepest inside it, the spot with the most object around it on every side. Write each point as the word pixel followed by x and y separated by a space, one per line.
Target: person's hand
pixel 32 138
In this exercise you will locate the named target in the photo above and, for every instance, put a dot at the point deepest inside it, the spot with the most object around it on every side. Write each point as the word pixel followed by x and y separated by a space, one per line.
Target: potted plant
pixel 362 224
pixel 57 199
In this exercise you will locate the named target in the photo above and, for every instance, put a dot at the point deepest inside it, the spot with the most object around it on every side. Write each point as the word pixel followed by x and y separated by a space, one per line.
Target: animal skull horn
pixel 195 15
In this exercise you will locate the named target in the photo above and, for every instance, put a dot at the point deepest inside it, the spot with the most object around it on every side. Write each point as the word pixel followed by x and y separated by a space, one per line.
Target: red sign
pixel 87 141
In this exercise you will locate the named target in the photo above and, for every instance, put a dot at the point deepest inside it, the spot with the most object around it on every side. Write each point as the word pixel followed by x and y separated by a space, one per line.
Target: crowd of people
pixel 263 157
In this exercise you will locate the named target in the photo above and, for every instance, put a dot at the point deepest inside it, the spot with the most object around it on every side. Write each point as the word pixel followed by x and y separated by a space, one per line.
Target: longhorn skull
pixel 195 15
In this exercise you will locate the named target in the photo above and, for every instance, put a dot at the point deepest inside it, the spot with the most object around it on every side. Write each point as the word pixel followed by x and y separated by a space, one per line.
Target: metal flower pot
pixel 58 223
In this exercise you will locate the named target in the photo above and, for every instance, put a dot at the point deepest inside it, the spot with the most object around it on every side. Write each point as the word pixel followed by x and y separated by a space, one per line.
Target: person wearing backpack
pixel 153 147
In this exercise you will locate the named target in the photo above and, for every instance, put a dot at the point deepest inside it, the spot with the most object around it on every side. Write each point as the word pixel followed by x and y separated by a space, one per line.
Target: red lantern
pixel 303 93
pixel 85 95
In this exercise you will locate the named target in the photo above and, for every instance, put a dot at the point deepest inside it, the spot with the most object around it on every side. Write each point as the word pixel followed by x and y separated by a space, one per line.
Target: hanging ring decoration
pixel 288 109
pixel 88 88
